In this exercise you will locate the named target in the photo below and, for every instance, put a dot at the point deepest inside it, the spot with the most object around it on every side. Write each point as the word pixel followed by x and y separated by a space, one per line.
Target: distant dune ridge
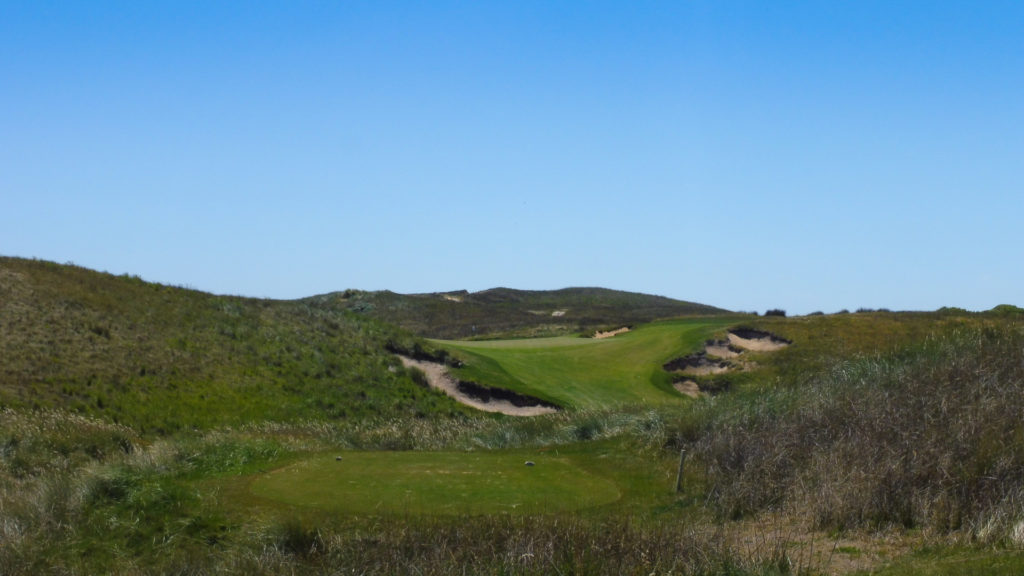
pixel 506 311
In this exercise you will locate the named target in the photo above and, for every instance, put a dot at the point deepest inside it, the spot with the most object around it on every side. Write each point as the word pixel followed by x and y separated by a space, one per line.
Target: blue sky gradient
pixel 750 155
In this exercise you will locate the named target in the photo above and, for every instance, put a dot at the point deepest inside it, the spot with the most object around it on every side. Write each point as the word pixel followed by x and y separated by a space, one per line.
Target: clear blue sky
pixel 750 155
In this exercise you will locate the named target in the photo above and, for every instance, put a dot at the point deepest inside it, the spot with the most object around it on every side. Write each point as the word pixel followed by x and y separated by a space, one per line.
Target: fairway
pixel 436 483
pixel 587 372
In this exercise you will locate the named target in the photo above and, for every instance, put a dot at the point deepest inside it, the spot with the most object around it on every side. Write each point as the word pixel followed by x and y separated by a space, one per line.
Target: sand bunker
pixel 600 335
pixel 688 388
pixel 697 365
pixel 720 356
pixel 720 349
pixel 705 370
pixel 473 394
pixel 756 340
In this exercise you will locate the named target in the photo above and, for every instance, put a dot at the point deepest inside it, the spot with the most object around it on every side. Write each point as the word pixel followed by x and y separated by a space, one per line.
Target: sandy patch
pixel 697 365
pixel 758 342
pixel 721 356
pixel 688 388
pixel 451 298
pixel 704 370
pixel 601 335
pixel 438 377
pixel 559 313
pixel 720 350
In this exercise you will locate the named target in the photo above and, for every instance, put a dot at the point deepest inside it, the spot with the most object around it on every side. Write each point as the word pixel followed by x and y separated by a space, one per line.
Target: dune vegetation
pixel 162 358
pixel 149 429
pixel 508 313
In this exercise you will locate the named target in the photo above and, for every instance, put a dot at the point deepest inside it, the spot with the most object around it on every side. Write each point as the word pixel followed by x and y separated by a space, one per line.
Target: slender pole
pixel 679 474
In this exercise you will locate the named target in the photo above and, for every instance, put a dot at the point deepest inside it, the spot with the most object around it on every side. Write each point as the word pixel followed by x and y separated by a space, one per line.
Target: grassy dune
pixel 151 429
pixel 162 358
pixel 587 372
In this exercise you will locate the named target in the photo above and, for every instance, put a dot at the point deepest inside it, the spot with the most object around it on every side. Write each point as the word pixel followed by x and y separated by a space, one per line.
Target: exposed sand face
pixel 704 370
pixel 764 344
pixel 438 377
pixel 720 356
pixel 697 365
pixel 720 350
pixel 688 388
pixel 610 333
pixel 559 313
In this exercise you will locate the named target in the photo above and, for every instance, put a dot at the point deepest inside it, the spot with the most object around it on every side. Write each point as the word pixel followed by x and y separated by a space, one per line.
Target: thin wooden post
pixel 679 474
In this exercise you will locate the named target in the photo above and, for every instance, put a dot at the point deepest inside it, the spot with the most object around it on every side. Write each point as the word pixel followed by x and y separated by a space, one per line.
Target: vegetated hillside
pixel 512 313
pixel 865 421
pixel 161 358
pixel 822 341
pixel 877 420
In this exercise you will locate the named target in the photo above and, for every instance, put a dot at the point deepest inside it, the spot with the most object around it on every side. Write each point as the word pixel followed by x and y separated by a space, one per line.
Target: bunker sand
pixel 438 377
pixel 757 341
pixel 713 359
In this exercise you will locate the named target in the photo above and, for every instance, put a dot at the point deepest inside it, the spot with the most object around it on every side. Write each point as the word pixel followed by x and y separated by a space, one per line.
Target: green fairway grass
pixel 954 561
pixel 586 372
pixel 436 483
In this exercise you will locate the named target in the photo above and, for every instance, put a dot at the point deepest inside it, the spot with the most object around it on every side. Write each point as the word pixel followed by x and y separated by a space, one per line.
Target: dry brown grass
pixel 927 437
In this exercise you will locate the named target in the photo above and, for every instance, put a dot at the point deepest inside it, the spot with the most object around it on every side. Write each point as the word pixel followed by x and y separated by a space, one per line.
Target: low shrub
pixel 930 436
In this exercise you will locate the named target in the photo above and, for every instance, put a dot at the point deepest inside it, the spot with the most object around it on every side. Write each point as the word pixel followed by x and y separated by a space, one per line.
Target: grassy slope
pixel 820 342
pixel 589 373
pixel 918 414
pixel 512 313
pixel 162 358
pixel 921 415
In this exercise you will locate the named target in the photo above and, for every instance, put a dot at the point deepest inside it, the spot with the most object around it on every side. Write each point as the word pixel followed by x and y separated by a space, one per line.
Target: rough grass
pixel 589 373
pixel 908 422
pixel 169 506
pixel 956 561
pixel 929 436
pixel 162 359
